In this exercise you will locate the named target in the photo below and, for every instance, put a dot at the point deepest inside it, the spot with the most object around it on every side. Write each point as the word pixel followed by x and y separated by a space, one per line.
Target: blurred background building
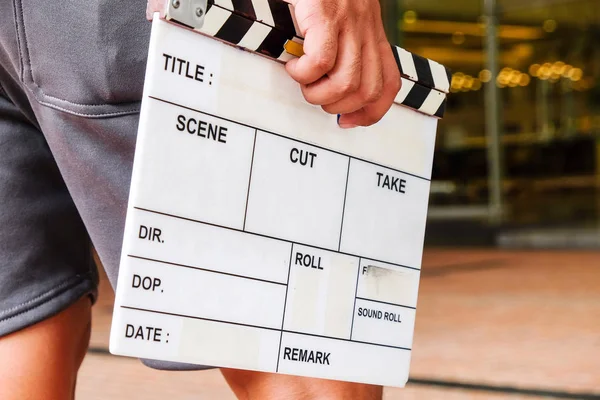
pixel 537 181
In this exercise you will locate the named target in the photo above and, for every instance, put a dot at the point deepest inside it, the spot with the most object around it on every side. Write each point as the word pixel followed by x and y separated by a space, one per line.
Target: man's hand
pixel 348 67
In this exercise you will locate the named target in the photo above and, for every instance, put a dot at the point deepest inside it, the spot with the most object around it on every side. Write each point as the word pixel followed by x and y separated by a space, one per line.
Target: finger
pixel 371 83
pixel 343 79
pixel 320 53
pixel 372 113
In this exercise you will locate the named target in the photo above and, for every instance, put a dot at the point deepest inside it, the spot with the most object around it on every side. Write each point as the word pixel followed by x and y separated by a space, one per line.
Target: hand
pixel 348 67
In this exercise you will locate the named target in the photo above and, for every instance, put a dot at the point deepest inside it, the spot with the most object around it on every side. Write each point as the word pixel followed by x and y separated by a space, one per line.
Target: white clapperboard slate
pixel 259 234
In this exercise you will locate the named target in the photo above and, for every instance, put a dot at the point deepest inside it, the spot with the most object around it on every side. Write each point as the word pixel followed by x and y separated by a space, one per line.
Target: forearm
pixel 249 385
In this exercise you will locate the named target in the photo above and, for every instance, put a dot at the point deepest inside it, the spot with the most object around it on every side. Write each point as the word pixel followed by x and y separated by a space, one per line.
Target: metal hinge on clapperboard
pixel 268 28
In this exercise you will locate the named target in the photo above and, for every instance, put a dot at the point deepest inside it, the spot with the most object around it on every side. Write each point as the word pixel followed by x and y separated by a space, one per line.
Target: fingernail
pixel 347 126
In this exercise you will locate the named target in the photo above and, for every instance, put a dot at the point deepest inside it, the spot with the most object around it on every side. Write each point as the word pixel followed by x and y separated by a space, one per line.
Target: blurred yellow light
pixel 544 72
pixel 485 75
pixel 506 70
pixel 458 75
pixel 410 17
pixel 514 78
pixel 468 82
pixel 502 80
pixel 566 70
pixel 558 67
pixel 563 70
pixel 533 70
pixel 476 84
pixel 549 25
pixel 458 80
pixel 458 38
pixel 575 74
pixel 524 80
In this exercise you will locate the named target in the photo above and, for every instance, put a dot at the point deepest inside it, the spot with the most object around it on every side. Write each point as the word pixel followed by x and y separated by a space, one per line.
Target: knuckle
pixel 396 85
pixel 323 62
pixel 324 59
pixel 350 82
pixel 394 79
pixel 348 86
pixel 393 84
pixel 309 96
pixel 374 91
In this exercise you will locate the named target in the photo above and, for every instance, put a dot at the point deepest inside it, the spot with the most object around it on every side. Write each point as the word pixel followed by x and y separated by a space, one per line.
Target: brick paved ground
pixel 518 319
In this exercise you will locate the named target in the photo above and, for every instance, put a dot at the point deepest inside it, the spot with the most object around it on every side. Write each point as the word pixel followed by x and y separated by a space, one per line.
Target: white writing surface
pixel 260 235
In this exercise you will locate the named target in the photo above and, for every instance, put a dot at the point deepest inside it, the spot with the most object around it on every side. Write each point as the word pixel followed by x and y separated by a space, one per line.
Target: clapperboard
pixel 259 234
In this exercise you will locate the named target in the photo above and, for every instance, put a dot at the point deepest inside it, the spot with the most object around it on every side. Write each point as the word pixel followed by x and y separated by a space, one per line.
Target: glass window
pixel 549 101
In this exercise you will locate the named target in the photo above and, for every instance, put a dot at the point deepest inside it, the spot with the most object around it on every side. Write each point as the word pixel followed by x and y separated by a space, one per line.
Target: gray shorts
pixel 71 80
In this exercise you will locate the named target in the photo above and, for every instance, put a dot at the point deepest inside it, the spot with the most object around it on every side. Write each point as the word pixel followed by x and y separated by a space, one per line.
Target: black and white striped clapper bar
pixel 265 26
pixel 259 234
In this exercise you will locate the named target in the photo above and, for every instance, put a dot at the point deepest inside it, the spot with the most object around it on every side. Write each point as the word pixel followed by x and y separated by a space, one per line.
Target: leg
pixel 47 277
pixel 44 358
pixel 249 385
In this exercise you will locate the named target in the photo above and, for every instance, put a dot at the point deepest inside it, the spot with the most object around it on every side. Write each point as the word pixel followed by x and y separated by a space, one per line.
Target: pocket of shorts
pixel 84 57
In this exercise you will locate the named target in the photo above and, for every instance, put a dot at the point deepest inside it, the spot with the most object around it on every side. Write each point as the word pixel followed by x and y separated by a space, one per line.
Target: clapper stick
pixel 268 27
